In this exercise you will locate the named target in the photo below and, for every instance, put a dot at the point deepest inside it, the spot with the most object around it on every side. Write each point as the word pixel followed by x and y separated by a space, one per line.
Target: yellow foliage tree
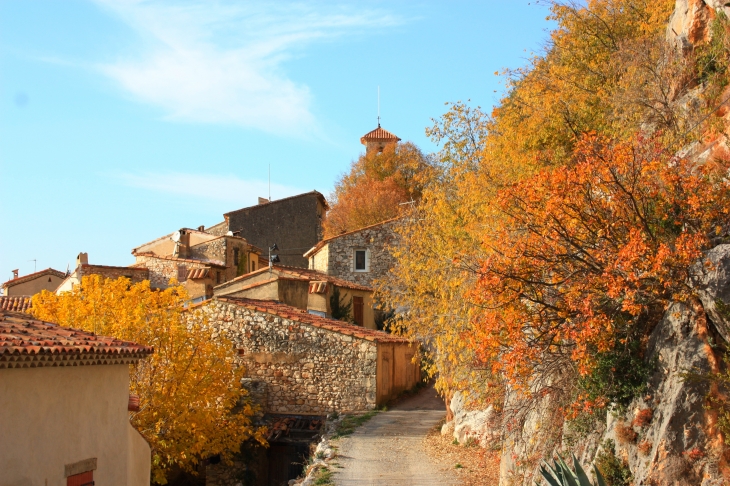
pixel 191 402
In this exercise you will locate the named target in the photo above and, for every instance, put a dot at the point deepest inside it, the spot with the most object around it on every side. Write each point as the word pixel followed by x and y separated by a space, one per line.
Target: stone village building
pixel 293 223
pixel 361 256
pixel 64 396
pixel 307 364
pixel 31 284
pixel 197 259
pixel 83 268
pixel 307 290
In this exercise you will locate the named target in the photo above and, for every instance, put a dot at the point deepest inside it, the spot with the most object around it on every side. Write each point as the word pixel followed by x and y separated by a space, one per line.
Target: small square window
pixel 361 261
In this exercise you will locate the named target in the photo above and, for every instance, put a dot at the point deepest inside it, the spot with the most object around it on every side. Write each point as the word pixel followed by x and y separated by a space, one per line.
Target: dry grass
pixel 625 434
pixel 643 418
pixel 473 465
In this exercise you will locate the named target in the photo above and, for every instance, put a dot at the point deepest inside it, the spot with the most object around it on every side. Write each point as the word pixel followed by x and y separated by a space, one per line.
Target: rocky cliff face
pixel 667 436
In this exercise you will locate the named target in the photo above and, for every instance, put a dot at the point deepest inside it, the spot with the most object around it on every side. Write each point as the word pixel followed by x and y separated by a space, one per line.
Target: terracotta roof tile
pixel 19 303
pixel 294 314
pixel 28 343
pixel 31 276
pixel 377 135
pixel 195 273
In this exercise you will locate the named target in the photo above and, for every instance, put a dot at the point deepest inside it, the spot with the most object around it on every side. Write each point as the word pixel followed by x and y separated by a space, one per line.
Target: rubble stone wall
pixel 376 239
pixel 162 270
pixel 306 369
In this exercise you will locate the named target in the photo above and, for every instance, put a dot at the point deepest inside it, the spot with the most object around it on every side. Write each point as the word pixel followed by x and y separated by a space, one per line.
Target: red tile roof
pixel 315 249
pixel 32 276
pixel 29 343
pixel 301 274
pixel 19 303
pixel 298 315
pixel 195 273
pixel 378 135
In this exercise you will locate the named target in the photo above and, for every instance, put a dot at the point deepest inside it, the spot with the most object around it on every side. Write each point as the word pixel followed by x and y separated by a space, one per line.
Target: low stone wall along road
pixel 388 449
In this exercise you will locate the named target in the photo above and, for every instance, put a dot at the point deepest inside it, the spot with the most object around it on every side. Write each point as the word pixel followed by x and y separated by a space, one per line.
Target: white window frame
pixel 354 260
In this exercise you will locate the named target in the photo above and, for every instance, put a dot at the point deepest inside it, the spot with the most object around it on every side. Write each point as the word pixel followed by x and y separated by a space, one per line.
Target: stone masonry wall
pixel 162 270
pixel 377 239
pixel 210 250
pixel 135 275
pixel 307 369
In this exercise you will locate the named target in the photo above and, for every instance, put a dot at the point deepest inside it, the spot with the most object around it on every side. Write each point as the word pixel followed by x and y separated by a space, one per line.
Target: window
pixel 253 266
pixel 361 261
pixel 235 256
pixel 358 307
pixel 182 273
pixel 218 277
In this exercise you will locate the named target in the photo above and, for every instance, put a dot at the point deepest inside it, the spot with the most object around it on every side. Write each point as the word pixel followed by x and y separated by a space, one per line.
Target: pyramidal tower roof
pixel 379 135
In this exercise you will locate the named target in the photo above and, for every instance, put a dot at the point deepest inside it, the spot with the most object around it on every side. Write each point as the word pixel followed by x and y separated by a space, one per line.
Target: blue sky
pixel 121 121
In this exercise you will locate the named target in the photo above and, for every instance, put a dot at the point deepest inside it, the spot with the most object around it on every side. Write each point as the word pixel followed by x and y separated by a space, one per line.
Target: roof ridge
pixel 30 276
pixel 321 243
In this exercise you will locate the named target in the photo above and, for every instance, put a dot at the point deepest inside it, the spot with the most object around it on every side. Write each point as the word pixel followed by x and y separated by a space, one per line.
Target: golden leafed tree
pixel 376 187
pixel 191 402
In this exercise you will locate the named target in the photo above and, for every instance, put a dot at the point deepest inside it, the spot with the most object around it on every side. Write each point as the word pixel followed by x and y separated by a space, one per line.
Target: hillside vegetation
pixel 554 232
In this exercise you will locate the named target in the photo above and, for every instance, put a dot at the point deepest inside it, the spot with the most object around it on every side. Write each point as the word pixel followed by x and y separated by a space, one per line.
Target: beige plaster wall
pixel 321 303
pixel 268 291
pixel 35 286
pixel 52 417
pixel 320 260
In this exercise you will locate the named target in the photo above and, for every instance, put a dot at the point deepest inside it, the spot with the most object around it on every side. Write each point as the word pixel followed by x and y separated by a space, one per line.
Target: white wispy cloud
pixel 217 62
pixel 209 187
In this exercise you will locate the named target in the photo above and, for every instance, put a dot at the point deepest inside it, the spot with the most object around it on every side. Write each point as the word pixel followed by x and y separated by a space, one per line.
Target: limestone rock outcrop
pixel 469 425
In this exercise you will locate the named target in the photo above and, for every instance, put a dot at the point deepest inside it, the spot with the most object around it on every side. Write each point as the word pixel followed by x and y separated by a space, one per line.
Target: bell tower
pixel 376 140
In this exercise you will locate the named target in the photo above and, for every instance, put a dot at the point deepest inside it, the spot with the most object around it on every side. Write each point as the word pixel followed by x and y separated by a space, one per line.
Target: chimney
pixel 82 259
pixel 15 273
pixel 263 200
pixel 201 228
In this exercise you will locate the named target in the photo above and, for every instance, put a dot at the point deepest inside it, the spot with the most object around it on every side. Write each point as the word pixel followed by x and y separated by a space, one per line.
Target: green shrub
pixel 616 471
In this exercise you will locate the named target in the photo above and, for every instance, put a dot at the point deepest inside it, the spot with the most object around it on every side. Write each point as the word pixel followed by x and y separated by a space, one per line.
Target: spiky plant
pixel 561 475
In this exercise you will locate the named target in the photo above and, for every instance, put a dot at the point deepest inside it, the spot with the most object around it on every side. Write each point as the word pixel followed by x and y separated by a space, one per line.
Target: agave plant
pixel 561 475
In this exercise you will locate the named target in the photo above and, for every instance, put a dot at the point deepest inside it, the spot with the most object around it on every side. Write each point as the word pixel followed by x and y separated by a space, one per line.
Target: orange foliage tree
pixel 187 389
pixel 375 188
pixel 586 250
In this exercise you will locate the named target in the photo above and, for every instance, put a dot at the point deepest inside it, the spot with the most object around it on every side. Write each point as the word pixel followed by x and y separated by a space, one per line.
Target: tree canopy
pixel 192 405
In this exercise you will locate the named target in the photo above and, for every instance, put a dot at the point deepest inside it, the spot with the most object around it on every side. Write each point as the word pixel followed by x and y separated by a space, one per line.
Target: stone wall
pixel 293 223
pixel 219 229
pixel 307 369
pixel 376 239
pixel 134 274
pixel 161 270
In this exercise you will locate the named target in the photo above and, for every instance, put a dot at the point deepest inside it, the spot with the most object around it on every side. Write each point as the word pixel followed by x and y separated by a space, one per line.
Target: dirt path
pixel 389 449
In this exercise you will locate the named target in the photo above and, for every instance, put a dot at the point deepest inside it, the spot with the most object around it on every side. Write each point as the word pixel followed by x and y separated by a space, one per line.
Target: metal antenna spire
pixel 378 106
pixel 269 181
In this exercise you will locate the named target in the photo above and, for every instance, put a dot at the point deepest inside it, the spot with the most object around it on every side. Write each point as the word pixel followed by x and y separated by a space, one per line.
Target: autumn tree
pixel 192 405
pixel 375 188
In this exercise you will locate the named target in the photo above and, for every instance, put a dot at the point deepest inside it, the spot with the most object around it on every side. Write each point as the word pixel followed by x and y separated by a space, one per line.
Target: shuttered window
pixel 358 308
pixel 83 479
pixel 182 273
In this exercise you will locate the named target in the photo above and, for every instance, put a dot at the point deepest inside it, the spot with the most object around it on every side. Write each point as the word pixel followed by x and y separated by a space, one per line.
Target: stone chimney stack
pixel 82 259
pixel 15 273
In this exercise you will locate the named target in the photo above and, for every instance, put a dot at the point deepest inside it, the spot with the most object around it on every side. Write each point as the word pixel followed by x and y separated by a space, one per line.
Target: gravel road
pixel 388 449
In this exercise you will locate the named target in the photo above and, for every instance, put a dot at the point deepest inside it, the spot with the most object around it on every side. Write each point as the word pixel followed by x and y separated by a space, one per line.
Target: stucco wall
pixel 307 369
pixel 52 417
pixel 320 260
pixel 35 286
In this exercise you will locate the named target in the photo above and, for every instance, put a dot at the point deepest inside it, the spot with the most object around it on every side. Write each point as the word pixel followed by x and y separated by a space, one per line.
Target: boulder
pixel 479 426
pixel 711 281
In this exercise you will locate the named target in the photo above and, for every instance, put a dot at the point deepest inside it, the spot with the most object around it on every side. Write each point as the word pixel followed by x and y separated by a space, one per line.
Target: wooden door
pixel 358 310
